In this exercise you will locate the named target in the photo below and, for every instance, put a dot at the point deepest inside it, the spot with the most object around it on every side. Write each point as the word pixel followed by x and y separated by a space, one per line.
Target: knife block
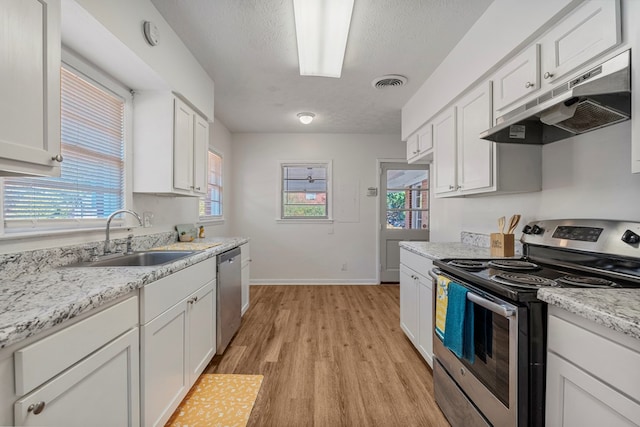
pixel 502 245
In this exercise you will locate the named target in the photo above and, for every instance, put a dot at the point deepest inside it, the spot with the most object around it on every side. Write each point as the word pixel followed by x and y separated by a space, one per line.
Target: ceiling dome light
pixel 306 118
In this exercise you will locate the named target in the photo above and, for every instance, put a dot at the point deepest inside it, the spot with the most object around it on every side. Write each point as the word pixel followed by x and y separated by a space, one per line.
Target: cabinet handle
pixel 548 75
pixel 36 408
pixel 529 84
pixel 192 300
pixel 197 188
pixel 58 158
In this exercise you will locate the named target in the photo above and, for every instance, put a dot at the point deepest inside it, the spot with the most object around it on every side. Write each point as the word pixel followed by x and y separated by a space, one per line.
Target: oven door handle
pixel 490 305
pixel 477 299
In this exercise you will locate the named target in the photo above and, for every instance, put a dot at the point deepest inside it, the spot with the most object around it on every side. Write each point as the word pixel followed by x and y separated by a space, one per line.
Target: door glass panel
pixel 407 199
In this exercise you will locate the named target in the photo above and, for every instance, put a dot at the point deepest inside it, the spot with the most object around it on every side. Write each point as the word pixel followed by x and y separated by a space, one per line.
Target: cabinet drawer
pixel 41 361
pixel 159 296
pixel 612 362
pixel 416 262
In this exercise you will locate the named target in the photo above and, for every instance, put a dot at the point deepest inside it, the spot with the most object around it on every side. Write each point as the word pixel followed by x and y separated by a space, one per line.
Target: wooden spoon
pixel 513 223
pixel 501 224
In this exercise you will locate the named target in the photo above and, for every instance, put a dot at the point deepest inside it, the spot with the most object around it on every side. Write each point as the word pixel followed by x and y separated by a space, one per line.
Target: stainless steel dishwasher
pixel 229 299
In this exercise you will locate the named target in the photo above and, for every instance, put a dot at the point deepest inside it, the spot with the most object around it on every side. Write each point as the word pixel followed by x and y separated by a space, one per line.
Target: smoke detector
pixel 390 80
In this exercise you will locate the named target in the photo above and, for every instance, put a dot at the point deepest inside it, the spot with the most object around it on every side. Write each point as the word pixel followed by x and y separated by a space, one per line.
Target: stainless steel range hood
pixel 597 98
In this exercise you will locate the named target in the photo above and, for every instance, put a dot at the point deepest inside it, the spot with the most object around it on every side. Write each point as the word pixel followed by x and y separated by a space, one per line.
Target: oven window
pixel 491 341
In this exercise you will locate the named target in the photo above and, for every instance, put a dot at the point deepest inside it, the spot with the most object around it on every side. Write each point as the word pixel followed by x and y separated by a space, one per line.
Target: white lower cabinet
pixel 84 375
pixel 592 374
pixel 416 302
pixel 102 390
pixel 177 339
pixel 245 275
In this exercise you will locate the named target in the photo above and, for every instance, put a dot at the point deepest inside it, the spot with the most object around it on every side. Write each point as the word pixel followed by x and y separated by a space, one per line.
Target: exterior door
pixel 404 212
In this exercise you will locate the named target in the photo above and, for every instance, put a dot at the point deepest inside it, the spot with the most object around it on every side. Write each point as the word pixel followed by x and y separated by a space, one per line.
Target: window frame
pixel 20 228
pixel 214 218
pixel 328 164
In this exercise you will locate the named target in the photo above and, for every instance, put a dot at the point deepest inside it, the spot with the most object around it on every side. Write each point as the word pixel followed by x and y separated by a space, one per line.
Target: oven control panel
pixel 584 234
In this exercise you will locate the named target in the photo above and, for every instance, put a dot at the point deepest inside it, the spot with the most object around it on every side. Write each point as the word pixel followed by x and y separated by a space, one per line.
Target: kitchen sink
pixel 136 259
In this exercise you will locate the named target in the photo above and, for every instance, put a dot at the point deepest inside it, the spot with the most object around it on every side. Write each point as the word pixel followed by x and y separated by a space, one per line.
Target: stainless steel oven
pixel 505 383
pixel 491 381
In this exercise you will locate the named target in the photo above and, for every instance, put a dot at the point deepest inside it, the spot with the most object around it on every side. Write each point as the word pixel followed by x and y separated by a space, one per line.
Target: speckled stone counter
pixel 434 251
pixel 37 297
pixel 618 309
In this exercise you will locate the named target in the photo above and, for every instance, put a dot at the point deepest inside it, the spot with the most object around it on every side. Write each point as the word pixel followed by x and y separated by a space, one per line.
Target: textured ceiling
pixel 249 49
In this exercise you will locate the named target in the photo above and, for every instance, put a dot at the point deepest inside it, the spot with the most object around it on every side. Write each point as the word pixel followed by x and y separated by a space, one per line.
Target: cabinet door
pixel 30 87
pixel 408 303
pixel 101 390
pixel 202 329
pixel 425 139
pixel 412 148
pixel 201 155
pixel 475 155
pixel 165 378
pixel 444 141
pixel 518 78
pixel 593 28
pixel 425 318
pixel 183 123
pixel 576 399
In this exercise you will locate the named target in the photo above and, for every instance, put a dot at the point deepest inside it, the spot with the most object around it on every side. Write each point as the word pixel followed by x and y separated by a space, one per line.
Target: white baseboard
pixel 313 282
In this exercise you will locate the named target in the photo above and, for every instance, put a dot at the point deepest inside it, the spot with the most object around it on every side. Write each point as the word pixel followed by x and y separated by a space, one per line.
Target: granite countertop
pixel 618 309
pixel 33 302
pixel 435 251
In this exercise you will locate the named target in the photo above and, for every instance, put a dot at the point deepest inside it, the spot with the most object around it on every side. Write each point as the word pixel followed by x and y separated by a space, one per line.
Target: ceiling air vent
pixel 390 80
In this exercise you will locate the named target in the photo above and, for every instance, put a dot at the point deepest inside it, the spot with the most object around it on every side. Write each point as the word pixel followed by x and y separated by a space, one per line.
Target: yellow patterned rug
pixel 218 400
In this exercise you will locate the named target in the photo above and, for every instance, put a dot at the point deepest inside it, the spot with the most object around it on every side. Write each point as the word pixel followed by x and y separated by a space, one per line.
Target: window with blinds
pixel 91 184
pixel 305 191
pixel 211 204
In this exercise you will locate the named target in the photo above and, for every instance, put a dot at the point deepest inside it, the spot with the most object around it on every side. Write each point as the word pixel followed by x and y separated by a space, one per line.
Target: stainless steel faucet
pixel 107 249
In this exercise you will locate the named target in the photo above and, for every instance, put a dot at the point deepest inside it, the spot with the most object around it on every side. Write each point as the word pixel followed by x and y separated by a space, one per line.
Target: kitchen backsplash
pixel 483 241
pixel 15 264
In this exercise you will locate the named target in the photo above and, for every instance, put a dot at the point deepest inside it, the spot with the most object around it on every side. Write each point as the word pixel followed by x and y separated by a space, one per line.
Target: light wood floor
pixel 331 356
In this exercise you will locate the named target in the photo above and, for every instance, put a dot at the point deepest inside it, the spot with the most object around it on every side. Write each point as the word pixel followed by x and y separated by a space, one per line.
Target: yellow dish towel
pixel 442 298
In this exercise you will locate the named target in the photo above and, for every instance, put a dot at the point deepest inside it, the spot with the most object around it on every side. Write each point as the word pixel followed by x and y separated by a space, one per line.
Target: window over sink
pixel 92 184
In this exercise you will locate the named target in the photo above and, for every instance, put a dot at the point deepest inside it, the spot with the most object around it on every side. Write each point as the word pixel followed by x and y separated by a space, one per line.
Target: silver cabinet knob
pixel 547 75
pixel 529 84
pixel 36 408
pixel 58 158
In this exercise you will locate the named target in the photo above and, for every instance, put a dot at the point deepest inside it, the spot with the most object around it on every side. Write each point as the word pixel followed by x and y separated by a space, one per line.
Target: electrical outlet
pixel 345 267
pixel 147 219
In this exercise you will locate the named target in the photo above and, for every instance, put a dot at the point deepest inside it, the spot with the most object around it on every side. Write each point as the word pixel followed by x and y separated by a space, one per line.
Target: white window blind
pixel 91 184
pixel 211 204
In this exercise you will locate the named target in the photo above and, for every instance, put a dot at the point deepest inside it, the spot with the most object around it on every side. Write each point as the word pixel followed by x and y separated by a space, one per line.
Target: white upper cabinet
pixel 591 29
pixel 170 146
pixel 579 38
pixel 30 87
pixel 475 155
pixel 445 155
pixel 420 145
pixel 518 78
pixel 466 165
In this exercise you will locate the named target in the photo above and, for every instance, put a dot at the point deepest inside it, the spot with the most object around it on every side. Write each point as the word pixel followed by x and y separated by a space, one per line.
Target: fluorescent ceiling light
pixel 322 28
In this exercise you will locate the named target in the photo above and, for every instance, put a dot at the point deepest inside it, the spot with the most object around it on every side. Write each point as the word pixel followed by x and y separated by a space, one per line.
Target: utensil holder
pixel 502 245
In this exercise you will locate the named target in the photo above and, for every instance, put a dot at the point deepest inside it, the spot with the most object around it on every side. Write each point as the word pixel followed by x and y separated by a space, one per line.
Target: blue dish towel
pixel 458 331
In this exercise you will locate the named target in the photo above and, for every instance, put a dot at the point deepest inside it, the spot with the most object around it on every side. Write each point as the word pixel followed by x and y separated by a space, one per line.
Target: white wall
pixel 310 253
pixel 582 177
